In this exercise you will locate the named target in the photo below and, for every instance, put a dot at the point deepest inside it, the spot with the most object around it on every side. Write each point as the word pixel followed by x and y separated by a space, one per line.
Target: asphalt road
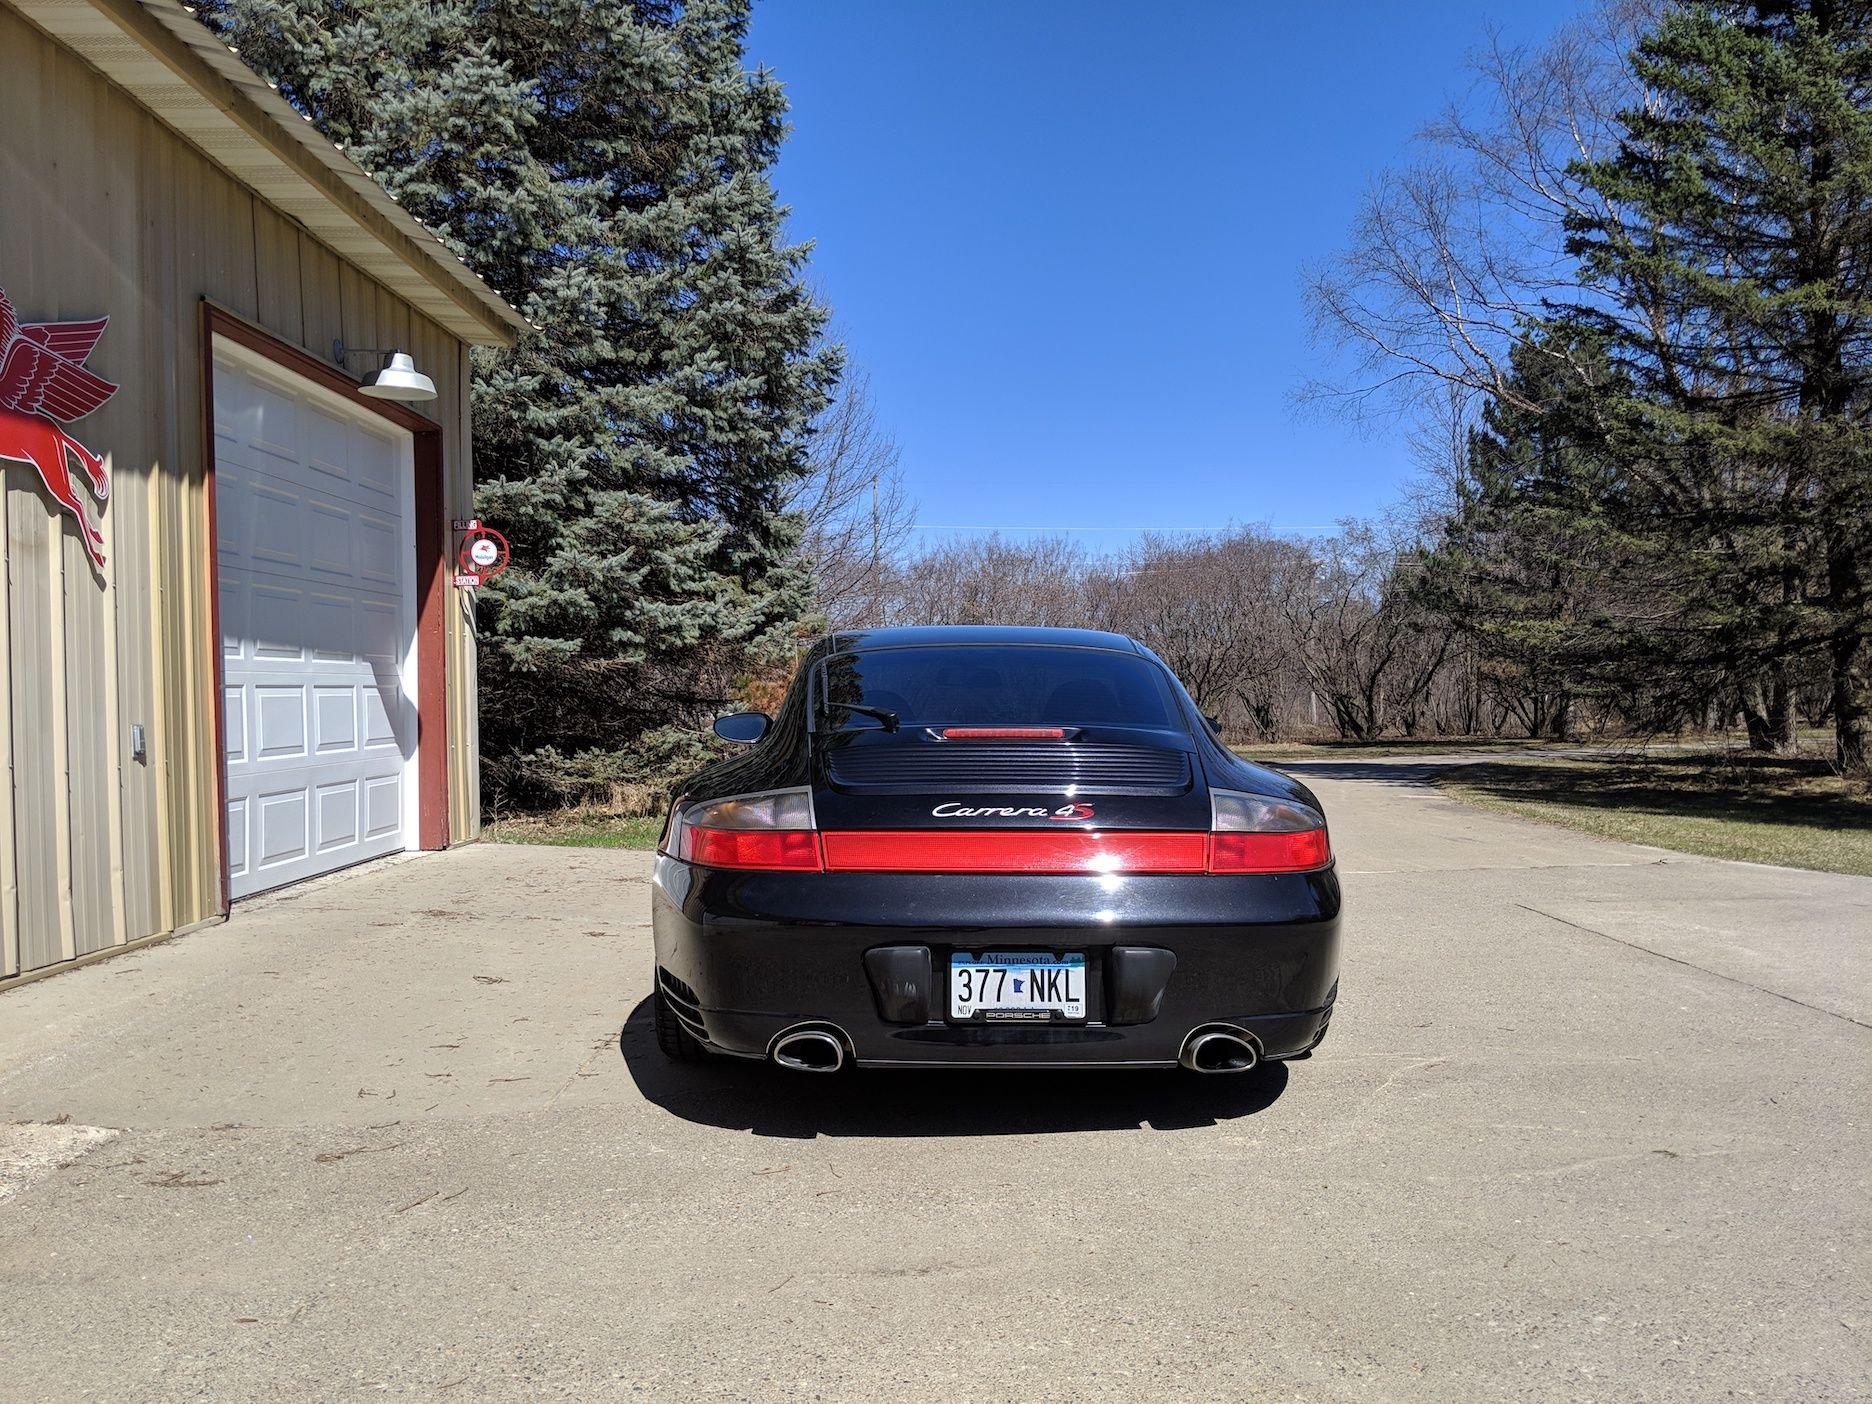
pixel 1591 1125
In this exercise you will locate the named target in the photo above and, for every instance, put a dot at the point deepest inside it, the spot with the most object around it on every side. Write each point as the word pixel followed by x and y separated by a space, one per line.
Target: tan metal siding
pixel 109 211
pixel 36 693
pixel 464 687
pixel 277 291
pixel 9 868
pixel 320 310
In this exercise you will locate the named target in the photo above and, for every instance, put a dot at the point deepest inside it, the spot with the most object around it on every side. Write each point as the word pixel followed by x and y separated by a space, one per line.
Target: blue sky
pixel 1066 239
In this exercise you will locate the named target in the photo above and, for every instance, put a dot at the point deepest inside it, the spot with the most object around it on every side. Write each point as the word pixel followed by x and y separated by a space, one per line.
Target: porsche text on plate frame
pixel 981 847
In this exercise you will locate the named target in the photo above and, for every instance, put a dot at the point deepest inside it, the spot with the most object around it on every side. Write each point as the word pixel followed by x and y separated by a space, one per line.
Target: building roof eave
pixel 172 64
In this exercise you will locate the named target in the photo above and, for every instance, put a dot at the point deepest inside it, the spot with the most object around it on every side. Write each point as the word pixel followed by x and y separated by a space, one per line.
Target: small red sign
pixel 482 555
pixel 43 380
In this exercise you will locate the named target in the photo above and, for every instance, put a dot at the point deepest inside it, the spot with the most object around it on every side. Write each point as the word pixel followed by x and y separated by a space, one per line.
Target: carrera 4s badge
pixel 1068 812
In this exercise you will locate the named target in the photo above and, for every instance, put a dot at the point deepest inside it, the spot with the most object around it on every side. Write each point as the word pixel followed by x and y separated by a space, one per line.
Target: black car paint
pixel 745 956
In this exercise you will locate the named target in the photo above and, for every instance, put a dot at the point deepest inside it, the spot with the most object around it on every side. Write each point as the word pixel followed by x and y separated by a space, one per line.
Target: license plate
pixel 1017 985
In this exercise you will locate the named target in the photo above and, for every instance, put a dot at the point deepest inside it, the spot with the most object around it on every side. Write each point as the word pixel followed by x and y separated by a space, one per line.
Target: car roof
pixel 978 636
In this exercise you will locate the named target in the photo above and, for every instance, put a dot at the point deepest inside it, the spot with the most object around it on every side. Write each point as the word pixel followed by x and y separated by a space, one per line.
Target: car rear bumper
pixel 745 957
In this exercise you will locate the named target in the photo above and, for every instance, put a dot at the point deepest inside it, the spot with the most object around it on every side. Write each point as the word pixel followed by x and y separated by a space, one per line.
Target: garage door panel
pixel 383 801
pixel 282 826
pixel 328 445
pixel 378 482
pixel 379 626
pixel 334 720
pixel 276 526
pixel 331 534
pixel 379 549
pixel 380 732
pixel 262 418
pixel 234 727
pixel 332 631
pixel 237 839
pixel 337 815
pixel 275 623
pixel 318 621
pixel 233 516
pixel 279 722
pixel 270 421
pixel 233 593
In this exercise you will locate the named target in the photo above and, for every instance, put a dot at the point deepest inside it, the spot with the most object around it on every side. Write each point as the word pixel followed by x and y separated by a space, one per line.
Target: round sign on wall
pixel 483 555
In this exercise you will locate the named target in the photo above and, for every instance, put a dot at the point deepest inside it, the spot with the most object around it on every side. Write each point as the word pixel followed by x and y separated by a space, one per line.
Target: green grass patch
pixel 578 829
pixel 1791 811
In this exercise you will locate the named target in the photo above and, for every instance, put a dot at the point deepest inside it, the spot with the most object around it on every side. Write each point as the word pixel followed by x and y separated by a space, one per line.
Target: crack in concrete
pixel 1692 965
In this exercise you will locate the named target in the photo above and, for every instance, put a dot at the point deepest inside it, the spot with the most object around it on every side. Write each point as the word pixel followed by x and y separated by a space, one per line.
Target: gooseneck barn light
pixel 395 379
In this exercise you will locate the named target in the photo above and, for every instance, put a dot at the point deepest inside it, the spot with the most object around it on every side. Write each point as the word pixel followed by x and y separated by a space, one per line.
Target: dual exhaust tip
pixel 1214 1048
pixel 1220 1048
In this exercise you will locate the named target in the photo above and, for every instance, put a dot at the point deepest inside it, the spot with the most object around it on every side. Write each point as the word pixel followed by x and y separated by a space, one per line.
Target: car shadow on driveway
pixel 739 1095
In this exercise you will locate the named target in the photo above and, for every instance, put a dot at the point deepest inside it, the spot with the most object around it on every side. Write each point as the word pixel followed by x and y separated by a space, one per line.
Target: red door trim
pixel 217 702
pixel 432 591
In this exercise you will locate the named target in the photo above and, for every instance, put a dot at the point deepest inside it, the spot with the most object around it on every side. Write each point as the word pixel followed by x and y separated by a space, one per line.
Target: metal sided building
pixel 235 654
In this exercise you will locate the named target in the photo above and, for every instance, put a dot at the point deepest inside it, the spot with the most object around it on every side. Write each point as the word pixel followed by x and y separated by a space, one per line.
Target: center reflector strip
pixel 1013 851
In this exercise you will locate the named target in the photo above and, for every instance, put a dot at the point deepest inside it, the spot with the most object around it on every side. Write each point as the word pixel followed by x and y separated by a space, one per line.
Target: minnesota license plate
pixel 1017 985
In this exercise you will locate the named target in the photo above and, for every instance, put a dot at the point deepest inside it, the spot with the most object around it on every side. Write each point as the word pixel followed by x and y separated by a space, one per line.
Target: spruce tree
pixel 604 165
pixel 1523 565
pixel 1727 258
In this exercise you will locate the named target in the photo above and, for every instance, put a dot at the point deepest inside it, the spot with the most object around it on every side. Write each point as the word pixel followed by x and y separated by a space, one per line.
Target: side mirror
pixel 744 728
pixel 1215 723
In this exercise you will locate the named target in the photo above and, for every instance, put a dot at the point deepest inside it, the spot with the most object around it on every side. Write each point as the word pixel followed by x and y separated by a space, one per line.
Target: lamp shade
pixel 399 380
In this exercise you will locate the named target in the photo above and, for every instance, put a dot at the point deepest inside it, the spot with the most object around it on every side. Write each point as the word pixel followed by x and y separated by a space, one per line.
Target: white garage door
pixel 317 574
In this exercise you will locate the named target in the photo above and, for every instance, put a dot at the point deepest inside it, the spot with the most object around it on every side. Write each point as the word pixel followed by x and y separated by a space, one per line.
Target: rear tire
pixel 673 1040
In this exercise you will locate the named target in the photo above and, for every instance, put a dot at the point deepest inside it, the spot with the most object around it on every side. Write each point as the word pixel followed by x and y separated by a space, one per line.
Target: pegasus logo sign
pixel 43 380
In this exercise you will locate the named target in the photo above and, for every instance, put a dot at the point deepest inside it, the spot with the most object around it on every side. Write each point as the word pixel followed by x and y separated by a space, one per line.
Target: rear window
pixel 1002 686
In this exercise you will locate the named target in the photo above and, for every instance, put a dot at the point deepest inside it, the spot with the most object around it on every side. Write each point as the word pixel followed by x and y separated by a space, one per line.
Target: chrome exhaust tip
pixel 1220 1048
pixel 809 1050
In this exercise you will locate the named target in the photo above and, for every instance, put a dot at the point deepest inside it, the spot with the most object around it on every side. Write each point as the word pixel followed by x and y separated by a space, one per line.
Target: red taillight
pixel 1003 733
pixel 773 831
pixel 1013 851
pixel 1269 853
pixel 774 850
pixel 1265 834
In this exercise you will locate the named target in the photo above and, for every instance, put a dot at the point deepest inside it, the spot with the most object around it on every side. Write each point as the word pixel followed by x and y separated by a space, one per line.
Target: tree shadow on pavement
pixel 1771 790
pixel 740 1095
pixel 1405 772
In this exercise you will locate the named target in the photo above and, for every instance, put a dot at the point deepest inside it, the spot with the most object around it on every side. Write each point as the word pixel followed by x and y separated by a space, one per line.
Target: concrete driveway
pixel 1591 1125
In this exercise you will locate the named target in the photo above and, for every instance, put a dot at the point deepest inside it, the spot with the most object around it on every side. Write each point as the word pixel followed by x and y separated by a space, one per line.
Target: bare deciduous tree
pixel 1369 653
pixel 1212 609
pixel 1450 256
pixel 1256 625
pixel 856 515
pixel 989 580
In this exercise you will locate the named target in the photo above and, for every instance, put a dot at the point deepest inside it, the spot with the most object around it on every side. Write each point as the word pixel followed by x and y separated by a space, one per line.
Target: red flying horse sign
pixel 43 380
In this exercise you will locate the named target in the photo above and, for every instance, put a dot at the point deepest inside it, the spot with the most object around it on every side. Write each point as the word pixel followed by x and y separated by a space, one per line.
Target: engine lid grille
pixel 1009 768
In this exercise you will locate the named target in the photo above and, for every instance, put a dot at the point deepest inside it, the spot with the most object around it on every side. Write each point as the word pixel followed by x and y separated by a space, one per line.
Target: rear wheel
pixel 672 1038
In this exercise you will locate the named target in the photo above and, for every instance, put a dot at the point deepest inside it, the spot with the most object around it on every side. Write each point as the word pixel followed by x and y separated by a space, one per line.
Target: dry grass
pixel 632 819
pixel 629 800
pixel 1791 811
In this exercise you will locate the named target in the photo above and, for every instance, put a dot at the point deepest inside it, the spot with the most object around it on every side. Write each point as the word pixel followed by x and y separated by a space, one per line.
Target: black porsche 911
pixel 979 846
